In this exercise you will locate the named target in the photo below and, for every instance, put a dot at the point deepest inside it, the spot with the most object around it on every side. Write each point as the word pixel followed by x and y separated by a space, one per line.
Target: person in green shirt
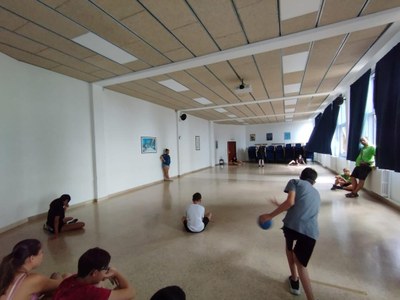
pixel 364 163
pixel 343 181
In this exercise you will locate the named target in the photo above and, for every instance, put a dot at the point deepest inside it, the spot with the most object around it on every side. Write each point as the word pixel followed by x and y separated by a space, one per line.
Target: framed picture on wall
pixel 269 136
pixel 148 144
pixel 252 137
pixel 197 142
pixel 286 136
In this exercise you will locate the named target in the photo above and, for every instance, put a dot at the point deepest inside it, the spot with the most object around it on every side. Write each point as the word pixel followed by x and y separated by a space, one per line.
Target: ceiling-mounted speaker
pixel 183 117
pixel 339 100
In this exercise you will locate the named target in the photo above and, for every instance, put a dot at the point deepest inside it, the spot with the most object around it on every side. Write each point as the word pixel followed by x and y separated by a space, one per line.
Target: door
pixel 231 151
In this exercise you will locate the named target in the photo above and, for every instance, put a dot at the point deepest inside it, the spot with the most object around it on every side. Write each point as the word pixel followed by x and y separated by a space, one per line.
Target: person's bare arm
pixel 288 203
pixel 123 290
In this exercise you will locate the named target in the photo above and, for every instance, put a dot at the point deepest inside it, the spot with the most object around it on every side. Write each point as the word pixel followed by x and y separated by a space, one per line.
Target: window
pixel 369 127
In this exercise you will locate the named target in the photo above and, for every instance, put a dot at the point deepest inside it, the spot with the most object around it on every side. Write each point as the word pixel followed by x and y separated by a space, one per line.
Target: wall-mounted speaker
pixel 183 117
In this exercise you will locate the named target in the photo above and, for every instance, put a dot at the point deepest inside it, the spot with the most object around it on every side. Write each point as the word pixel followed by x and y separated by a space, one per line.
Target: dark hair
pixel 13 261
pixel 65 197
pixel 196 197
pixel 309 174
pixel 93 259
pixel 172 292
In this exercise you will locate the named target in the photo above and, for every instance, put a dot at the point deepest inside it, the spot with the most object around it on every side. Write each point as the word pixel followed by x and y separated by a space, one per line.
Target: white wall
pixel 61 135
pixel 299 132
pixel 190 158
pixel 46 143
pixel 225 133
pixel 126 120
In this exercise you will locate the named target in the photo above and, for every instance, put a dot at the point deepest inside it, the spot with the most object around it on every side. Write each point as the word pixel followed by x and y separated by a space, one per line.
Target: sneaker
pixel 352 195
pixel 334 187
pixel 294 286
pixel 48 228
pixel 72 221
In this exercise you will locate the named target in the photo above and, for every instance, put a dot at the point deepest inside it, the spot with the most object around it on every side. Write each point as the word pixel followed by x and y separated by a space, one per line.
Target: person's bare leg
pixel 167 173
pixel 208 215
pixel 353 183
pixel 359 186
pixel 304 279
pixel 74 226
pixel 292 266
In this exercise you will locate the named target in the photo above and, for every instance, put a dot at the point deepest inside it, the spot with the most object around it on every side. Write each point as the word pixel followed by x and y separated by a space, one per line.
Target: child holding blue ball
pixel 300 227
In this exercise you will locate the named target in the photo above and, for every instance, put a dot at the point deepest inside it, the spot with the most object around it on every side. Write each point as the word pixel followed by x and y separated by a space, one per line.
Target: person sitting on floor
pixel 196 219
pixel 297 161
pixel 56 220
pixel 93 268
pixel 235 161
pixel 17 279
pixel 172 292
pixel 343 181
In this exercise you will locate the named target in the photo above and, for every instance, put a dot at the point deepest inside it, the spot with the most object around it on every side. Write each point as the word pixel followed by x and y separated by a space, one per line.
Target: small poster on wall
pixel 148 144
pixel 252 137
pixel 269 136
pixel 286 136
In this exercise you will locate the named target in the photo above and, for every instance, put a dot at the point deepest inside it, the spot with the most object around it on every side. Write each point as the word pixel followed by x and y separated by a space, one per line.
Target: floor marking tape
pixel 340 287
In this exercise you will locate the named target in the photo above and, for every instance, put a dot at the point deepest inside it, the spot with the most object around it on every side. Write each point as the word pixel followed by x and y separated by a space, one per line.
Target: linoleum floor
pixel 356 257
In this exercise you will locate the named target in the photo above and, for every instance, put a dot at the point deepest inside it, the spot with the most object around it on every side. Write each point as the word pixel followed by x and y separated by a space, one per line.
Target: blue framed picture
pixel 148 144
pixel 286 136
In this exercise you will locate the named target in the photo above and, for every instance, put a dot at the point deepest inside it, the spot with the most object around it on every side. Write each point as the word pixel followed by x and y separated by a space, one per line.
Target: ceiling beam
pixel 256 102
pixel 323 32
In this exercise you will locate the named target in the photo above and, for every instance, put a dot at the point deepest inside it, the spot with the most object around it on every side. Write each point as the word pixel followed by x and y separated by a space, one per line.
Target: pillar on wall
pixel 99 157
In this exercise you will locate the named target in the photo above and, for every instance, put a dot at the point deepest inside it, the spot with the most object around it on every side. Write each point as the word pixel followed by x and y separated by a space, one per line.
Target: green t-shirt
pixel 345 177
pixel 367 155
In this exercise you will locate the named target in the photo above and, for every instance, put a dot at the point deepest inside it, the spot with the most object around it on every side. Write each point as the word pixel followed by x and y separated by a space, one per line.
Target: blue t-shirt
pixel 303 215
pixel 166 159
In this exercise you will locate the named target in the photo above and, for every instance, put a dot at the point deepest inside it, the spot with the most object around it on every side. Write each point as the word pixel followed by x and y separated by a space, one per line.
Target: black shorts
pixel 205 221
pixel 304 245
pixel 361 172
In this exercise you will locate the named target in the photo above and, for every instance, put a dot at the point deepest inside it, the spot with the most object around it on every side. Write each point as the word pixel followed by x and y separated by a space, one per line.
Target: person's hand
pixel 111 275
pixel 54 237
pixel 265 217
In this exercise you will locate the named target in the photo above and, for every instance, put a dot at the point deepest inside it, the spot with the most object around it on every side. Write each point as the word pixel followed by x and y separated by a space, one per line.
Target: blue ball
pixel 265 225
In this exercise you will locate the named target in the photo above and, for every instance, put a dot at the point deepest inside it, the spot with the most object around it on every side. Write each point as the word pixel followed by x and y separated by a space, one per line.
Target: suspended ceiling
pixel 295 56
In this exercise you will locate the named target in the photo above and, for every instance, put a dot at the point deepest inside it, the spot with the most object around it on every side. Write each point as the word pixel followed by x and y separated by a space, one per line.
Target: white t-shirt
pixel 194 216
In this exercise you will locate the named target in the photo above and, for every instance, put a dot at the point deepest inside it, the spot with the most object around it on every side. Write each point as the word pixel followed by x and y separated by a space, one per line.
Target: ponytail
pixel 13 261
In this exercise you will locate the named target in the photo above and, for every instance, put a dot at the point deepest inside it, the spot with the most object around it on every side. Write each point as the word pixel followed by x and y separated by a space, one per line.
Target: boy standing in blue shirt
pixel 300 227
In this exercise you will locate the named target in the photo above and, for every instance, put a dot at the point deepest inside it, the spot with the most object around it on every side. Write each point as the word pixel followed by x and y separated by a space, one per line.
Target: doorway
pixel 231 151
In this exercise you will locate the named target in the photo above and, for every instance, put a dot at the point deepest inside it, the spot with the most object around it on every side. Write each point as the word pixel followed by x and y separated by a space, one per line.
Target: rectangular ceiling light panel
pixel 231 116
pixel 292 88
pixel 290 102
pixel 101 46
pixel 289 110
pixel 294 62
pixel 202 100
pixel 293 8
pixel 220 110
pixel 173 85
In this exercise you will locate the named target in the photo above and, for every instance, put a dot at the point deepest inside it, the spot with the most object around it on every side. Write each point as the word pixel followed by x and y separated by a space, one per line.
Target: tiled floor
pixel 356 257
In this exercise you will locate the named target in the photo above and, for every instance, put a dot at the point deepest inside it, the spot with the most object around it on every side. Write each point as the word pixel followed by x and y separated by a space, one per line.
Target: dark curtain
pixel 387 109
pixel 358 101
pixel 324 128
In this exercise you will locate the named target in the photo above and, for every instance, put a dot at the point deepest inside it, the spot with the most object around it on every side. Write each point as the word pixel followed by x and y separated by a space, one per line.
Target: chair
pixel 298 150
pixel 289 153
pixel 270 157
pixel 251 151
pixel 279 154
